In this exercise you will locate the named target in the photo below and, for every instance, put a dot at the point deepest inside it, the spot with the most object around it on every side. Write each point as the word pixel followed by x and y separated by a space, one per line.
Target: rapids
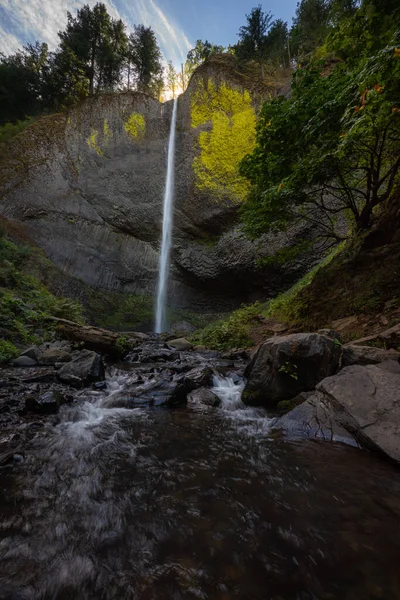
pixel 193 503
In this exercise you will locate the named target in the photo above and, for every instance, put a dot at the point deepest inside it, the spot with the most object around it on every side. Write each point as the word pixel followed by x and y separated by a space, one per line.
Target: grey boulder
pixel 53 356
pixel 366 402
pixel 24 361
pixel 285 366
pixel 85 368
pixel 314 419
pixel 180 344
pixel 366 355
pixel 203 397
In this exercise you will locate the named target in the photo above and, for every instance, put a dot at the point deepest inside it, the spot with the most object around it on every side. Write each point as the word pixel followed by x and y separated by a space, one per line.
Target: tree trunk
pixel 364 218
pixel 94 338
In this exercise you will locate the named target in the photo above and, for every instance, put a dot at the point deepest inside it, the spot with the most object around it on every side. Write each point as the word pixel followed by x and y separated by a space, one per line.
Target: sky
pixel 177 23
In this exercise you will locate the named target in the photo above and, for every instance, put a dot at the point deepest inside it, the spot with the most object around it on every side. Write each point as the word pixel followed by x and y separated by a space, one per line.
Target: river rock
pixel 285 366
pixel 200 376
pixel 366 355
pixel 366 401
pixel 85 368
pixel 181 344
pixel 314 419
pixel 24 361
pixel 32 352
pixel 203 397
pixel 48 403
pixel 53 356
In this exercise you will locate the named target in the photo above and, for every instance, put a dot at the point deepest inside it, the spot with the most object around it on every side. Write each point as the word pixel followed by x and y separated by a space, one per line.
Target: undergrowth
pixel 236 330
pixel 25 303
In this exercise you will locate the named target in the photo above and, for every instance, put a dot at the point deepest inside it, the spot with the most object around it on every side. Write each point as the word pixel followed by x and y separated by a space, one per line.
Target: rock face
pixel 366 402
pixel 85 368
pixel 314 419
pixel 285 366
pixel 88 187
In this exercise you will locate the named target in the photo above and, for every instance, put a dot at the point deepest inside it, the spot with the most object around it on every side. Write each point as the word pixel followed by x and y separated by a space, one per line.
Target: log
pixel 102 341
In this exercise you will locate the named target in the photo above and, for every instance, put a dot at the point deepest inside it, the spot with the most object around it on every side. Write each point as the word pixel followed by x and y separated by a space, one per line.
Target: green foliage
pixel 99 44
pixel 25 303
pixel 253 36
pixel 289 369
pixel 122 345
pixel 333 147
pixel 233 332
pixel 231 138
pixel 200 53
pixel 9 130
pixel 7 351
pixel 135 125
pixel 144 61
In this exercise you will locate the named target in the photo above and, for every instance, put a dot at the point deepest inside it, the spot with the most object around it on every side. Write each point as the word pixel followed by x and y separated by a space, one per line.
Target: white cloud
pixel 8 42
pixel 30 20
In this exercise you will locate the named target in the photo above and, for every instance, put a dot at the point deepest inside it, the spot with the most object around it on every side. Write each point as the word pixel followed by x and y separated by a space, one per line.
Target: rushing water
pixel 155 504
pixel 168 206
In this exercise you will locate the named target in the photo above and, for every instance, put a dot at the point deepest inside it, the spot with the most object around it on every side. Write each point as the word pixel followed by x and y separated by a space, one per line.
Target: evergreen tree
pixel 99 45
pixel 252 36
pixel 144 60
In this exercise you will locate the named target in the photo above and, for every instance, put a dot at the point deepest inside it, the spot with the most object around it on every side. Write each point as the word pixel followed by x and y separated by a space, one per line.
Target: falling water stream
pixel 168 208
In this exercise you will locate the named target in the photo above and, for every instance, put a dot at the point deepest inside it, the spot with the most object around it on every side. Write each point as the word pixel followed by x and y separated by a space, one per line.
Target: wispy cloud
pixel 29 20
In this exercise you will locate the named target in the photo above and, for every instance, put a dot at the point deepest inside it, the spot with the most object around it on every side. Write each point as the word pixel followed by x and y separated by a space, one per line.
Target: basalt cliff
pixel 88 186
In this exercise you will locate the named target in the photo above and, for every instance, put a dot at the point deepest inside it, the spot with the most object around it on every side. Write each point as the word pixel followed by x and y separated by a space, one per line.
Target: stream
pixel 149 503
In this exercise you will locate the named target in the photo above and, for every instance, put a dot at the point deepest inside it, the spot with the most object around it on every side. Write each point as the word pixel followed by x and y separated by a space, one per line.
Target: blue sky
pixel 177 23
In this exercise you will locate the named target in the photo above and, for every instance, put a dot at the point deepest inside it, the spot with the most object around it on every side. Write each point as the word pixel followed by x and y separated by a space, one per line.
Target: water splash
pixel 163 272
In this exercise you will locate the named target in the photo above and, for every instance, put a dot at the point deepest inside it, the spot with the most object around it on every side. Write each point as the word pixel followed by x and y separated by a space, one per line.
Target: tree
pixel 172 78
pixel 310 26
pixel 144 59
pixel 252 37
pixel 99 45
pixel 332 149
pixel 276 44
pixel 200 53
pixel 22 78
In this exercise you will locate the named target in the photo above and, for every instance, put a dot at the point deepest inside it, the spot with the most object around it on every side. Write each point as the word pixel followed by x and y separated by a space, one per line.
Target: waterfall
pixel 163 270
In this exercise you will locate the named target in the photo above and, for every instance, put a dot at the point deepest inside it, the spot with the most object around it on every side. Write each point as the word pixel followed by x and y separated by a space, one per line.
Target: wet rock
pixel 40 376
pixel 314 419
pixel 24 361
pixel 180 344
pixel 285 366
pixel 100 385
pixel 54 356
pixel 223 366
pixel 366 402
pixel 159 356
pixel 32 352
pixel 203 397
pixel 85 368
pixel 200 376
pixel 366 355
pixel 48 403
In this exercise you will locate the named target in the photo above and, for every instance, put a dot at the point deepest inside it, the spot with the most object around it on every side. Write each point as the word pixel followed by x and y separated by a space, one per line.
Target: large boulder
pixel 285 366
pixel 366 401
pixel 85 368
pixel 366 355
pixel 314 419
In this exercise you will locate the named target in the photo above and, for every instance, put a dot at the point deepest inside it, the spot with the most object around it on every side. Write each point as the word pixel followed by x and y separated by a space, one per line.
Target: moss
pixel 232 136
pixel 135 126
pixel 7 351
pixel 106 130
pixel 92 142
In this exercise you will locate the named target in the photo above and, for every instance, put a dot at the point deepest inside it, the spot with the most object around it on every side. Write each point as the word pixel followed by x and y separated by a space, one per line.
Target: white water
pixel 163 272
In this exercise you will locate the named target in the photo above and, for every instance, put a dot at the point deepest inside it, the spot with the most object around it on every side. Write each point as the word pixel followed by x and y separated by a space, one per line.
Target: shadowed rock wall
pixel 88 186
